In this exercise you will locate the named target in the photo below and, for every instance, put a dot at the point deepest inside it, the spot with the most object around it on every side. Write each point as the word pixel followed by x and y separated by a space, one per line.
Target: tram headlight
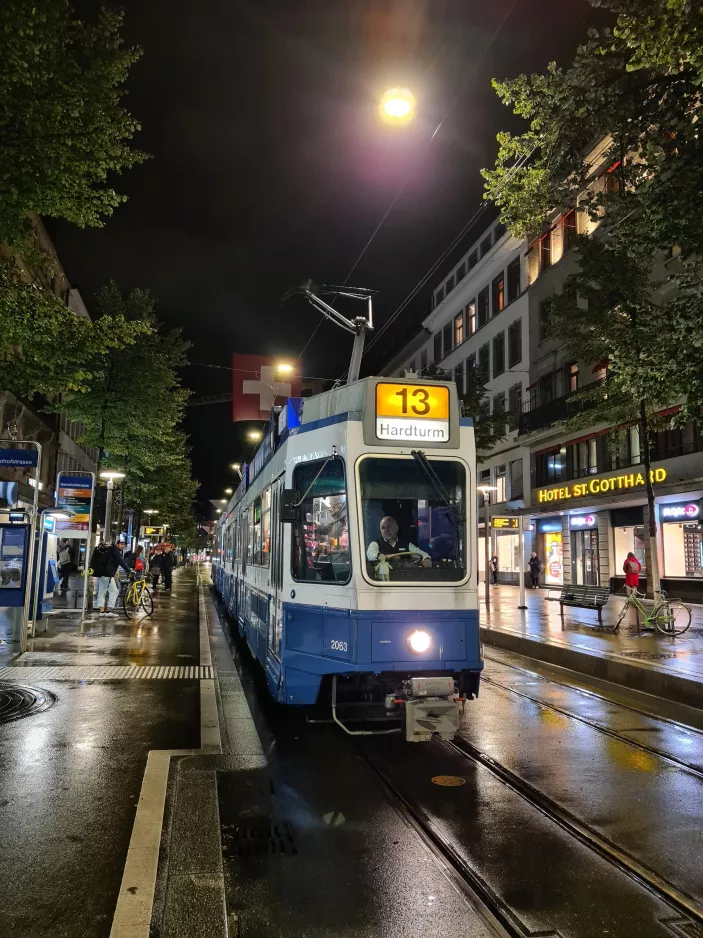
pixel 419 642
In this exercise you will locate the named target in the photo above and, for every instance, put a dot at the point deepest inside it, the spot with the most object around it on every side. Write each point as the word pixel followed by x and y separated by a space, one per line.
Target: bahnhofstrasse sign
pixel 599 486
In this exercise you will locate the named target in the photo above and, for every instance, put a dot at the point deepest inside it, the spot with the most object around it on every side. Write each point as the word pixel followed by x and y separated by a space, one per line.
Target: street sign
pixel 505 523
pixel 74 497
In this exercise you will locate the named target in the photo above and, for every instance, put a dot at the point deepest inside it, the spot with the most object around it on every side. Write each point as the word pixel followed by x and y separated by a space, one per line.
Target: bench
pixel 584 597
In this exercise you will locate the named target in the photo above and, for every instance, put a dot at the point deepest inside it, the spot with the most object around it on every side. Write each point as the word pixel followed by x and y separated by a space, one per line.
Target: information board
pixel 414 412
pixel 505 523
pixel 74 497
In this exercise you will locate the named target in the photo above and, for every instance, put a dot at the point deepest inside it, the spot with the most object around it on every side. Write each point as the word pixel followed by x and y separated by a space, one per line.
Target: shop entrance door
pixel 584 552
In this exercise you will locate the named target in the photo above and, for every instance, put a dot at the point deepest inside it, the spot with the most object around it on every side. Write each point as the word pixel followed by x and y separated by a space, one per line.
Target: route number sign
pixel 412 412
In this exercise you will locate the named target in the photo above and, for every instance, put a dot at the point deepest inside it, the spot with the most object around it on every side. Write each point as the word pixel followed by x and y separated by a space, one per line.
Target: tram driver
pixel 390 543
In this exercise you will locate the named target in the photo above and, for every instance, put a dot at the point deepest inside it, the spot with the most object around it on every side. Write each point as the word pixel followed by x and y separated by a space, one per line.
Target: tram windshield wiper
pixel 437 487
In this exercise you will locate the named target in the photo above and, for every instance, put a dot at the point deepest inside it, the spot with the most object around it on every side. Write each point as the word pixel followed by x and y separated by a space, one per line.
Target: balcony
pixel 537 414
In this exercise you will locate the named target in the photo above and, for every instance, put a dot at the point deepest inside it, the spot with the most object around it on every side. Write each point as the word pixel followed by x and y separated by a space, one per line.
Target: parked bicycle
pixel 137 596
pixel 669 616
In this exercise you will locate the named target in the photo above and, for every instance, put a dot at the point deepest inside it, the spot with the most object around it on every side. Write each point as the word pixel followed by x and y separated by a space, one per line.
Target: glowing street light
pixel 110 476
pixel 223 501
pixel 235 466
pixel 219 511
pixel 398 106
pixel 254 435
pixel 228 491
pixel 284 368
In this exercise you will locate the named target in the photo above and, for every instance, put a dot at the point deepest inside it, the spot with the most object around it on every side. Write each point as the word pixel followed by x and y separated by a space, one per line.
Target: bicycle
pixel 668 616
pixel 137 595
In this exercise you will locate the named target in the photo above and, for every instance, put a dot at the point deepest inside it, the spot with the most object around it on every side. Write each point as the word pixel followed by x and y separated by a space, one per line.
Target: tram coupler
pixel 431 707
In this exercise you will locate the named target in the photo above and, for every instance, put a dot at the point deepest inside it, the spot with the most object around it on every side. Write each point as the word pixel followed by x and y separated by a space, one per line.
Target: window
pixel 459 379
pixel 449 286
pixel 461 272
pixel 417 521
pixel 545 388
pixel 517 480
pixel 439 296
pixel 572 377
pixel 498 294
pixel 570 230
pixel 250 534
pixel 514 405
pixel 584 458
pixel 501 493
pixel 320 542
pixel 447 335
pixel 513 279
pixel 515 343
pixel 544 313
pixel 265 502
pixel 499 231
pixel 470 367
pixel 635 455
pixel 498 354
pixel 472 260
pixel 550 467
pixel 499 404
pixel 459 329
pixel 533 262
pixel 485 245
pixel 545 251
pixel 483 307
pixel 437 346
pixel 484 363
pixel 423 361
pixel 470 312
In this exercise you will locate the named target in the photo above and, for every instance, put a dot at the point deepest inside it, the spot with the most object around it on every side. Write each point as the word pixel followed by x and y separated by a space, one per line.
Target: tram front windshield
pixel 414 519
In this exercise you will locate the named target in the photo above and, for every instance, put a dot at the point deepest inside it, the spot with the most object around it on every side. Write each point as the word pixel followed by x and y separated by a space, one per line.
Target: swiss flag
pixel 258 384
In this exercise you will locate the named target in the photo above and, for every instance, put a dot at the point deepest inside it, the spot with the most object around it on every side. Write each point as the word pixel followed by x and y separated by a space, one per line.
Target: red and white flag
pixel 259 384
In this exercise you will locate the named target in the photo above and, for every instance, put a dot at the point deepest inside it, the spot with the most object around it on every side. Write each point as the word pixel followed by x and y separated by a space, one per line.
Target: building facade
pixel 584 492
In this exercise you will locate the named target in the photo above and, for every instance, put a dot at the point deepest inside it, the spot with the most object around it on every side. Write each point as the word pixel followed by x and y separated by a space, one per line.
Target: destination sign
pixel 412 412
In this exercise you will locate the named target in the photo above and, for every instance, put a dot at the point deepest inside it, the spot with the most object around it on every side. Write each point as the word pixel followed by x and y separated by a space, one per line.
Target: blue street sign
pixel 19 458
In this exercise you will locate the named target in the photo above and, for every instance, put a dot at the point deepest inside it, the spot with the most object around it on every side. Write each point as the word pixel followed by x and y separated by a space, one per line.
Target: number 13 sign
pixel 412 412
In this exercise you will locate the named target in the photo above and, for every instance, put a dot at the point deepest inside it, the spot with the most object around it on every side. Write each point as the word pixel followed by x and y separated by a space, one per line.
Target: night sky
pixel 270 166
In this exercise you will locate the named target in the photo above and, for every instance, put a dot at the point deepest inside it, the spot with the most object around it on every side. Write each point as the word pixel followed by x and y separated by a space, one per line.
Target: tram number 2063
pixel 338 646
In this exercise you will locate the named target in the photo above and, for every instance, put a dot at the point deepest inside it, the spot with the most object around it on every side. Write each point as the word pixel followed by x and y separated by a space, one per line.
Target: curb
pixel 630 674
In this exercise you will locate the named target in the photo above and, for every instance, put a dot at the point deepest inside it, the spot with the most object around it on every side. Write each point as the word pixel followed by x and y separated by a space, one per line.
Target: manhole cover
pixel 17 701
pixel 259 837
pixel 449 781
pixel 647 655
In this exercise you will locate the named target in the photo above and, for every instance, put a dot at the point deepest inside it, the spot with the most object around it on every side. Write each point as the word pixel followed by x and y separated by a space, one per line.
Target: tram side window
pixel 320 543
pixel 250 534
pixel 265 528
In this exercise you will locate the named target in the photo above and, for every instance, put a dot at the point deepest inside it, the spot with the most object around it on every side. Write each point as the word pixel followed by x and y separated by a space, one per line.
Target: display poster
pixel 74 496
pixel 12 550
pixel 553 559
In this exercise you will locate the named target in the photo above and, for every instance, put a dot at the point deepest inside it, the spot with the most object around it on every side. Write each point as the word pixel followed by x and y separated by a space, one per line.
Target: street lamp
pixel 254 435
pixel 228 491
pixel 284 368
pixel 484 490
pixel 397 106
pixel 111 476
pixel 223 501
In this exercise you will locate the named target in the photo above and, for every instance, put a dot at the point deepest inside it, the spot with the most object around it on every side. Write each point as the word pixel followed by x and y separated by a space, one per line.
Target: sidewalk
pixel 671 668
pixel 112 691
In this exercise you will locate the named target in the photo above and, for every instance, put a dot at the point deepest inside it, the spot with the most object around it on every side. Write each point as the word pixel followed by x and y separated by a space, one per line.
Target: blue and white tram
pixel 347 556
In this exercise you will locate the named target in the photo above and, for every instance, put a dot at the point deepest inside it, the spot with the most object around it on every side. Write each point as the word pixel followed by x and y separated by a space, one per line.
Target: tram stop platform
pixel 667 668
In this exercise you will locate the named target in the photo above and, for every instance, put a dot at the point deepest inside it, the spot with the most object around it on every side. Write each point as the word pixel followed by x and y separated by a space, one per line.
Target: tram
pixel 347 555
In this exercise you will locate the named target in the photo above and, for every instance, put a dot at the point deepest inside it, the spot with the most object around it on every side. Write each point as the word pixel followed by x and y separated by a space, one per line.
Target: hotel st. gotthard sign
pixel 599 486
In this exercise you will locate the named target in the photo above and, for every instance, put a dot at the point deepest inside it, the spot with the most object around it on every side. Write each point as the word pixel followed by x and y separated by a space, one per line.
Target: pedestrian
pixel 535 567
pixel 106 560
pixel 167 565
pixel 155 567
pixel 135 560
pixel 493 563
pixel 67 563
pixel 631 568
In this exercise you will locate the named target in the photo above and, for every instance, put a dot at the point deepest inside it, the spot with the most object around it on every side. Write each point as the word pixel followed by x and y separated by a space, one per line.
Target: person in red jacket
pixel 631 569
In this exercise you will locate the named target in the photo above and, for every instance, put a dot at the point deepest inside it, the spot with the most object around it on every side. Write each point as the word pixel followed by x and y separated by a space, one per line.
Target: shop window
pixel 498 294
pixel 483 310
pixel 682 550
pixel 447 339
pixel 628 539
pixel 501 492
pixel 459 329
pixel 515 343
pixel 514 406
pixel 437 351
pixel 485 246
pixel 498 354
pixel 470 312
pixel 484 364
pixel 514 279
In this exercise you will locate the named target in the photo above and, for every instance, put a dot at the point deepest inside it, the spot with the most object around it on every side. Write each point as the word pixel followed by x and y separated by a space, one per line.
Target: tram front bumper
pixel 432 707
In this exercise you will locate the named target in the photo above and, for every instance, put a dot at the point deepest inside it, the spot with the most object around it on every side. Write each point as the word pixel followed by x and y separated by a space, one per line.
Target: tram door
pixel 276 573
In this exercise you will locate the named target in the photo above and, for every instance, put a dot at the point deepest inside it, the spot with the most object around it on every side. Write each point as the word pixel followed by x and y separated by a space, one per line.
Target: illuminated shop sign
pixel 548 525
pixel 681 511
pixel 599 486
pixel 582 522
pixel 505 522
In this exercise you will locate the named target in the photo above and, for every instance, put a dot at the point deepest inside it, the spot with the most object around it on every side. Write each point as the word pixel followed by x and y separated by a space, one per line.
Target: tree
pixel 133 406
pixel 63 128
pixel 45 348
pixel 489 429
pixel 637 89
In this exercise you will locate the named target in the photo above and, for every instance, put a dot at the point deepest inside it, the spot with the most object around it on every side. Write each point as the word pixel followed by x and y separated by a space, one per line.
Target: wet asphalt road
pixel 71 776
pixel 633 780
